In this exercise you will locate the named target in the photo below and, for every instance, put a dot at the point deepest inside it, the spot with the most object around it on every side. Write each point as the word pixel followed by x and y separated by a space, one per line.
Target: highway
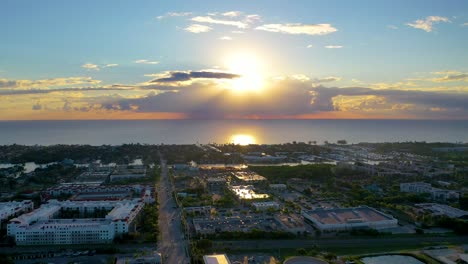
pixel 172 244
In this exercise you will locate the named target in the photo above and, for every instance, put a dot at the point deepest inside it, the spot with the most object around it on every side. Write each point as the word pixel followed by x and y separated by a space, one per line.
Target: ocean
pixel 115 132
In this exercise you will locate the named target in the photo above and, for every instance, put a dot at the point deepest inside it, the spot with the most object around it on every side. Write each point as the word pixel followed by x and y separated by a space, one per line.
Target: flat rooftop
pixel 248 176
pixel 118 195
pixel 216 259
pixel 248 193
pixel 347 215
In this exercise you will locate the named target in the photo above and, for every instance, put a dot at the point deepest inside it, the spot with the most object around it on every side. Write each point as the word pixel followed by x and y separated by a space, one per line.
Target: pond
pixel 391 259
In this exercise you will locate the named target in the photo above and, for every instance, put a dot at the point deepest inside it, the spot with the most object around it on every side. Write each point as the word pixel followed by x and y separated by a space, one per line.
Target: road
pixel 172 244
pixel 389 242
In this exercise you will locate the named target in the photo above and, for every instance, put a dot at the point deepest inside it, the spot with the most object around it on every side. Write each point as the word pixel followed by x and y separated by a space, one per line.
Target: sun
pixel 250 70
pixel 242 139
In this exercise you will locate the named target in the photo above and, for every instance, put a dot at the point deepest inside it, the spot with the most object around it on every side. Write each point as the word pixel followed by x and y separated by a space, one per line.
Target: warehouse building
pixel 337 219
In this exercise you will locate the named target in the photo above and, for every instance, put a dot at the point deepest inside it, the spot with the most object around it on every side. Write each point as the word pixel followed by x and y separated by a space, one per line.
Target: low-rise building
pixel 14 208
pixel 436 193
pixel 248 177
pixel 247 192
pixel 415 187
pixel 442 209
pixel 337 219
pixel 262 206
pixel 291 223
pixel 126 172
pixel 199 210
pixel 216 259
pixel 216 184
pixel 46 226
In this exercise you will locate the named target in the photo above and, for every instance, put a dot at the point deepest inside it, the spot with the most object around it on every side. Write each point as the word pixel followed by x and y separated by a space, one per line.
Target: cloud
pixel 292 97
pixel 464 24
pixel 225 38
pixel 146 62
pixel 210 20
pixel 251 19
pixel 392 27
pixel 232 13
pixel 197 28
pixel 427 23
pixel 182 76
pixel 237 32
pixel 327 79
pixel 452 77
pixel 174 14
pixel 96 67
pixel 28 84
pixel 37 106
pixel 62 90
pixel 334 47
pixel 297 28
pixel 90 66
pixel 310 46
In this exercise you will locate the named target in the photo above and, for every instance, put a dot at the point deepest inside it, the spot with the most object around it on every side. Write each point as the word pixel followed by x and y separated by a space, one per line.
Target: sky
pixel 263 59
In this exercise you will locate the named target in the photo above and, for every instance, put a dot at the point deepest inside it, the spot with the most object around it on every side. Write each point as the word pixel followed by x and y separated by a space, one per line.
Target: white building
pixel 14 208
pixel 337 219
pixel 42 226
pixel 262 206
pixel 422 187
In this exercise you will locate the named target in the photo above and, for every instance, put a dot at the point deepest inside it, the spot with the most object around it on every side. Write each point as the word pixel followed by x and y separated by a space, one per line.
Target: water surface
pixel 115 132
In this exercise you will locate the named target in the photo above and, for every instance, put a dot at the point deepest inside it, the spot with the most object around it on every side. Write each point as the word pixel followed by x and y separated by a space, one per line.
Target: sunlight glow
pixel 242 139
pixel 249 67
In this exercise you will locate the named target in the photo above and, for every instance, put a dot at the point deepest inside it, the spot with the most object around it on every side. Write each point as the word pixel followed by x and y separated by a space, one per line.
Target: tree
pixel 342 142
pixel 204 245
pixel 301 251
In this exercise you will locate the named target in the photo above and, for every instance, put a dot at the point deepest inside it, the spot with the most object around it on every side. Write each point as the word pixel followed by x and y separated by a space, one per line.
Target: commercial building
pixel 247 192
pixel 436 193
pixel 198 210
pixel 248 177
pixel 216 259
pixel 337 219
pixel 216 185
pixel 291 223
pixel 442 209
pixel 262 206
pixel 126 172
pixel 415 187
pixel 52 223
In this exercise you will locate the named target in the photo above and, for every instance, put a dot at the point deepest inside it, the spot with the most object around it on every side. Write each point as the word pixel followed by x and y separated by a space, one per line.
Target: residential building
pixel 46 226
pixel 14 208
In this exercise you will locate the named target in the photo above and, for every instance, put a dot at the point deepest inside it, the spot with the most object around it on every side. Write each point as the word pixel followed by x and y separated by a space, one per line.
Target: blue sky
pixel 397 45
